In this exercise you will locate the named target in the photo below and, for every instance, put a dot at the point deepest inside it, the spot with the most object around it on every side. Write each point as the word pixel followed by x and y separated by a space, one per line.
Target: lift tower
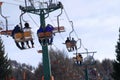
pixel 43 11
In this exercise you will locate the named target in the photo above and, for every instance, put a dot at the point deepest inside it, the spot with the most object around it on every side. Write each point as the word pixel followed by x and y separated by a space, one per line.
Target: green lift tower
pixel 43 12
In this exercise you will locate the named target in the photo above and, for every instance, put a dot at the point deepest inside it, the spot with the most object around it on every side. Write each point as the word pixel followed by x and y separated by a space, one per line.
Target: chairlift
pixel 45 35
pixel 70 42
pixel 59 28
pixel 24 35
pixel 70 45
pixel 4 32
pixel 78 59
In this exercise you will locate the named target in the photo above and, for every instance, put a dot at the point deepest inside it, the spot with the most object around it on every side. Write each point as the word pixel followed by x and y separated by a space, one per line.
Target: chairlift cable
pixel 55 46
pixel 66 14
pixel 54 25
pixel 70 23
pixel 61 36
pixel 51 20
pixel 83 46
pixel 33 20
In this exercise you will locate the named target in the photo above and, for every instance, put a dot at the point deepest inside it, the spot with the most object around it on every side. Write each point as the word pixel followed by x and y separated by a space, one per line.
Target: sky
pixel 95 22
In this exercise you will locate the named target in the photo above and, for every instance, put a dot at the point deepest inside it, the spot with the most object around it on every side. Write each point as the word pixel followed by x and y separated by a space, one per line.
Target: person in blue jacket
pixel 50 28
pixel 40 30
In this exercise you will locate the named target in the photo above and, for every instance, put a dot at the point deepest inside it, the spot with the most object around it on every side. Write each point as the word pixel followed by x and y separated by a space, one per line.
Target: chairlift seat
pixel 27 35
pixel 41 35
pixel 68 44
pixel 48 34
pixel 6 32
pixel 21 37
pixel 59 29
pixel 73 42
pixel 45 34
pixel 9 32
pixel 79 58
pixel 18 37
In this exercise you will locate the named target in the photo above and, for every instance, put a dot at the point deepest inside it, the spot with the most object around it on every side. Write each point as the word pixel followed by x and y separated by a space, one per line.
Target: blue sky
pixel 96 23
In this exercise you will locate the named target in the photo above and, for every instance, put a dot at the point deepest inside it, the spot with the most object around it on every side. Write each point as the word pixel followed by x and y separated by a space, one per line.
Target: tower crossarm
pixel 47 10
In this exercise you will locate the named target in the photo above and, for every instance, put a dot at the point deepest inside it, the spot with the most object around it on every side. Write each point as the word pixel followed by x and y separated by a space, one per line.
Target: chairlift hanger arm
pixel 80 43
pixel 21 19
pixel 6 21
pixel 72 28
pixel 4 18
pixel 58 17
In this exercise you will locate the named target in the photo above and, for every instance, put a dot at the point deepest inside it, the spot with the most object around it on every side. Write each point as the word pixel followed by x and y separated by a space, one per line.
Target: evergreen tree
pixel 5 68
pixel 116 63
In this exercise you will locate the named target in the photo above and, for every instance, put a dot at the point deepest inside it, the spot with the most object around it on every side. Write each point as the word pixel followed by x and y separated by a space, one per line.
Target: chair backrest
pixel 45 34
pixel 21 37
pixel 18 37
pixel 59 29
pixel 41 35
pixel 48 34
pixel 68 45
pixel 27 36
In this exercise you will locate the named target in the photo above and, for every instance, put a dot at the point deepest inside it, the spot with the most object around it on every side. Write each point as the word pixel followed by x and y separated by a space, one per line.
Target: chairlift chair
pixel 23 36
pixel 45 35
pixel 70 45
pixel 78 59
pixel 4 32
pixel 59 28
